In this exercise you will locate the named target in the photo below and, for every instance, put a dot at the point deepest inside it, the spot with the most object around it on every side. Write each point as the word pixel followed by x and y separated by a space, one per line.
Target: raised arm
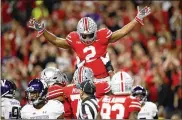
pixel 127 28
pixel 59 42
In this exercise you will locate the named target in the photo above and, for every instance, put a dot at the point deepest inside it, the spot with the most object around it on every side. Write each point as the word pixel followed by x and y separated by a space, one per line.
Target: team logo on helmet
pixel 83 74
pixel 139 92
pixel 36 91
pixel 53 75
pixel 8 88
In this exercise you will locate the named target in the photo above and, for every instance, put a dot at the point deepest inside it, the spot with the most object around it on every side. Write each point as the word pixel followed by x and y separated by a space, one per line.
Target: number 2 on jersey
pixel 89 57
pixel 108 109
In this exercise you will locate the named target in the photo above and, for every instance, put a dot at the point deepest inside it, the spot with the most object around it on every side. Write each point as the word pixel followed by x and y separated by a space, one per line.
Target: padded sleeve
pixel 105 34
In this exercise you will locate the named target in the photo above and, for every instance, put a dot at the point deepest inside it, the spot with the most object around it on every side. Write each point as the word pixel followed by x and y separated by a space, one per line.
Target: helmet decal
pixel 8 88
pixel 85 21
pixel 53 75
pixel 83 74
pixel 121 83
pixel 36 86
pixel 139 90
pixel 86 29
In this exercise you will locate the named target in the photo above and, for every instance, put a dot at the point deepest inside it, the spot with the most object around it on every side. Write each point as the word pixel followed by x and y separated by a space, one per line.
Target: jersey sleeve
pixel 71 38
pixel 101 89
pixel 104 35
pixel 67 108
pixel 154 109
pixel 3 111
pixel 134 105
pixel 57 107
pixel 23 113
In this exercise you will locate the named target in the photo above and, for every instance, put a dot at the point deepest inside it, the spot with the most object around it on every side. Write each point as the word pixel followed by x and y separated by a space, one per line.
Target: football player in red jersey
pixel 72 92
pixel 102 88
pixel 118 104
pixel 55 92
pixel 53 76
pixel 89 43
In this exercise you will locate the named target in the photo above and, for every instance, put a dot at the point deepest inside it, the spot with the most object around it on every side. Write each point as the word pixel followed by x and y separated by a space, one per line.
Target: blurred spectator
pixel 176 116
pixel 40 11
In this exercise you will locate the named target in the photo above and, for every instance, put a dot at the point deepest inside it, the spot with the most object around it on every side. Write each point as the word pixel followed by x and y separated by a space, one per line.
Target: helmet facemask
pixel 87 29
pixel 118 90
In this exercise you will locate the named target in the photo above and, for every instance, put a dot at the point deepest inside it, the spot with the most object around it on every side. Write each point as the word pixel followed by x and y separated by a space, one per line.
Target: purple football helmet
pixel 8 88
pixel 36 91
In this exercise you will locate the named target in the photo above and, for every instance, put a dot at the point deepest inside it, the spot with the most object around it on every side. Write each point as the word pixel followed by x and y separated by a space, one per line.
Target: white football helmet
pixel 121 83
pixel 83 74
pixel 53 75
pixel 87 29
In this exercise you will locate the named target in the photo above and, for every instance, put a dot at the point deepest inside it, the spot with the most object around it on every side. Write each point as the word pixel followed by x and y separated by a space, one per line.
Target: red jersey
pixel 67 109
pixel 92 53
pixel 118 107
pixel 101 89
pixel 73 95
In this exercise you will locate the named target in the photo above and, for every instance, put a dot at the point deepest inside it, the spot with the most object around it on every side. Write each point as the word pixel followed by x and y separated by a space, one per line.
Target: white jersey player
pixel 51 110
pixel 149 109
pixel 10 107
pixel 38 107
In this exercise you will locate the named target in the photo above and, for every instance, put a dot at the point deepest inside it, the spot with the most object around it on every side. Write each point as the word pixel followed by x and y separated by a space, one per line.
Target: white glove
pixel 105 59
pixel 79 63
pixel 142 13
pixel 36 26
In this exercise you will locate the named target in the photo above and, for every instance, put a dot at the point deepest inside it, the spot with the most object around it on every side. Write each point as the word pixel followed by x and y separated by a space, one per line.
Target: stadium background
pixel 151 53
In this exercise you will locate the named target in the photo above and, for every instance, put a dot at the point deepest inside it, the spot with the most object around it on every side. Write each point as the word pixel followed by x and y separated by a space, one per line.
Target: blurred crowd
pixel 151 53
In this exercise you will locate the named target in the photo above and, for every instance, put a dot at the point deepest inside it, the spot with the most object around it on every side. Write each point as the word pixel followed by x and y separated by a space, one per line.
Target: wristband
pixel 109 67
pixel 139 20
pixel 39 33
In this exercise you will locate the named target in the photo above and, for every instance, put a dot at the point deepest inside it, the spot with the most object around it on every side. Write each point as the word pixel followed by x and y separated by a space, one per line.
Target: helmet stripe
pixel 80 74
pixel 86 23
pixel 122 82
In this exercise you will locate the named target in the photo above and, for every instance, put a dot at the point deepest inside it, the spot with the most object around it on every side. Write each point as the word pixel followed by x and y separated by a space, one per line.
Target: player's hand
pixel 79 63
pixel 36 26
pixel 142 13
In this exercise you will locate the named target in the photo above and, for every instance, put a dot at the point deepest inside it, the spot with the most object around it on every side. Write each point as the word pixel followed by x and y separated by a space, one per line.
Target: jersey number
pixel 107 109
pixel 74 98
pixel 89 57
pixel 15 113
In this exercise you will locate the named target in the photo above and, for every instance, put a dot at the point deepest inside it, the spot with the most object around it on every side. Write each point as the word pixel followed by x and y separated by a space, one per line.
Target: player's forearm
pixel 123 31
pixel 59 42
pixel 50 37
